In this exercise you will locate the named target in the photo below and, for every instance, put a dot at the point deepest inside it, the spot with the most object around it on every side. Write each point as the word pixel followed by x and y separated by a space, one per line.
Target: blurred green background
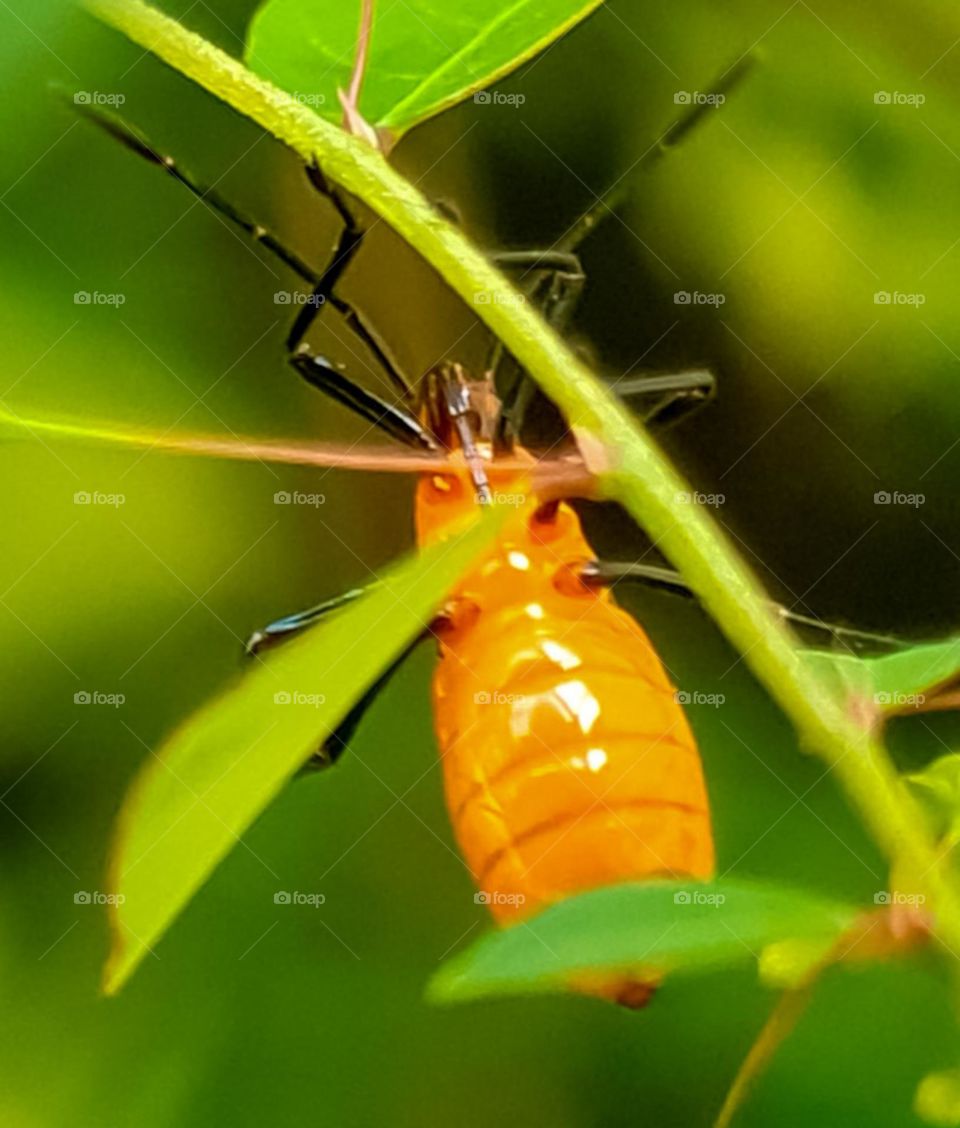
pixel 798 203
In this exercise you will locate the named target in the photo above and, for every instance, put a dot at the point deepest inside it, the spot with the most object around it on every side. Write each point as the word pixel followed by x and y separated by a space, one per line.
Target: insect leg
pixel 678 393
pixel 350 241
pixel 395 420
pixel 563 257
pixel 291 625
pixel 556 292
pixel 675 395
pixel 322 283
pixel 695 113
pixel 117 128
pixel 336 743
pixel 606 573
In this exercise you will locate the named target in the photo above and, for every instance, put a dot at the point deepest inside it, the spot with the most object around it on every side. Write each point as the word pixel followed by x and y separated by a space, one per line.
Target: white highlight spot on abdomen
pixel 582 705
pixel 562 655
pixel 596 759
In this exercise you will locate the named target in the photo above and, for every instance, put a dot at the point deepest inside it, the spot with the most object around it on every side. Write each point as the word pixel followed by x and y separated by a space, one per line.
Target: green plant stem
pixel 640 477
pixel 779 1025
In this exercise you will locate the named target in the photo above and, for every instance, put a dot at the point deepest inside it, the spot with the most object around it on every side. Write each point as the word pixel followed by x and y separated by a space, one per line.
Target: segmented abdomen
pixel 568 763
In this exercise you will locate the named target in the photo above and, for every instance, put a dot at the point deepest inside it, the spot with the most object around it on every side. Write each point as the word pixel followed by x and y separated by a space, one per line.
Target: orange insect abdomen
pixel 568 762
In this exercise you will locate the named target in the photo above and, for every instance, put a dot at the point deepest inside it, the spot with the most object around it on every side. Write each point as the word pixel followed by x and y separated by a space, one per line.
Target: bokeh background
pixel 798 203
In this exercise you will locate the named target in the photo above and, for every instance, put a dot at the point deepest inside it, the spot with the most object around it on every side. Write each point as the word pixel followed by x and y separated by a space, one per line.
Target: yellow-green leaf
pixel 198 794
pixel 425 55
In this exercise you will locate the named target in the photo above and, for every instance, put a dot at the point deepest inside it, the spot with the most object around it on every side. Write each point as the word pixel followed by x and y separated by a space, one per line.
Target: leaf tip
pixel 115 971
pixel 441 989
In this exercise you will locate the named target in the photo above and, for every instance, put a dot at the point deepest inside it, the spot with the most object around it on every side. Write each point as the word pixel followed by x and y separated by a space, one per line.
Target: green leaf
pixel 915 678
pixel 217 773
pixel 937 787
pixel 668 926
pixel 904 679
pixel 425 55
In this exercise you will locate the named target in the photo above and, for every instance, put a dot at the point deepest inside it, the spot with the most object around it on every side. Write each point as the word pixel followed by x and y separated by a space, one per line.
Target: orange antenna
pixel 566 476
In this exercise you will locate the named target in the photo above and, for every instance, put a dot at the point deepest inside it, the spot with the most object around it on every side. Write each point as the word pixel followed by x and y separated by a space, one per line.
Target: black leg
pixel 291 625
pixel 399 422
pixel 351 239
pixel 615 197
pixel 563 262
pixel 449 211
pixel 607 573
pixel 117 128
pixel 556 292
pixel 559 283
pixel 336 743
pixel 674 396
pixel 396 421
pixel 322 283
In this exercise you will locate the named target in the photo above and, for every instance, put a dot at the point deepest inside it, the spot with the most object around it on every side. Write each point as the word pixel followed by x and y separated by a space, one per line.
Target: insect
pixel 568 761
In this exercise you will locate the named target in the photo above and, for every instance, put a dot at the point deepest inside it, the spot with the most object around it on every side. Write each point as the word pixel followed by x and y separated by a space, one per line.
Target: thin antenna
pixel 556 477
pixel 676 132
pixel 360 63
pixel 353 121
